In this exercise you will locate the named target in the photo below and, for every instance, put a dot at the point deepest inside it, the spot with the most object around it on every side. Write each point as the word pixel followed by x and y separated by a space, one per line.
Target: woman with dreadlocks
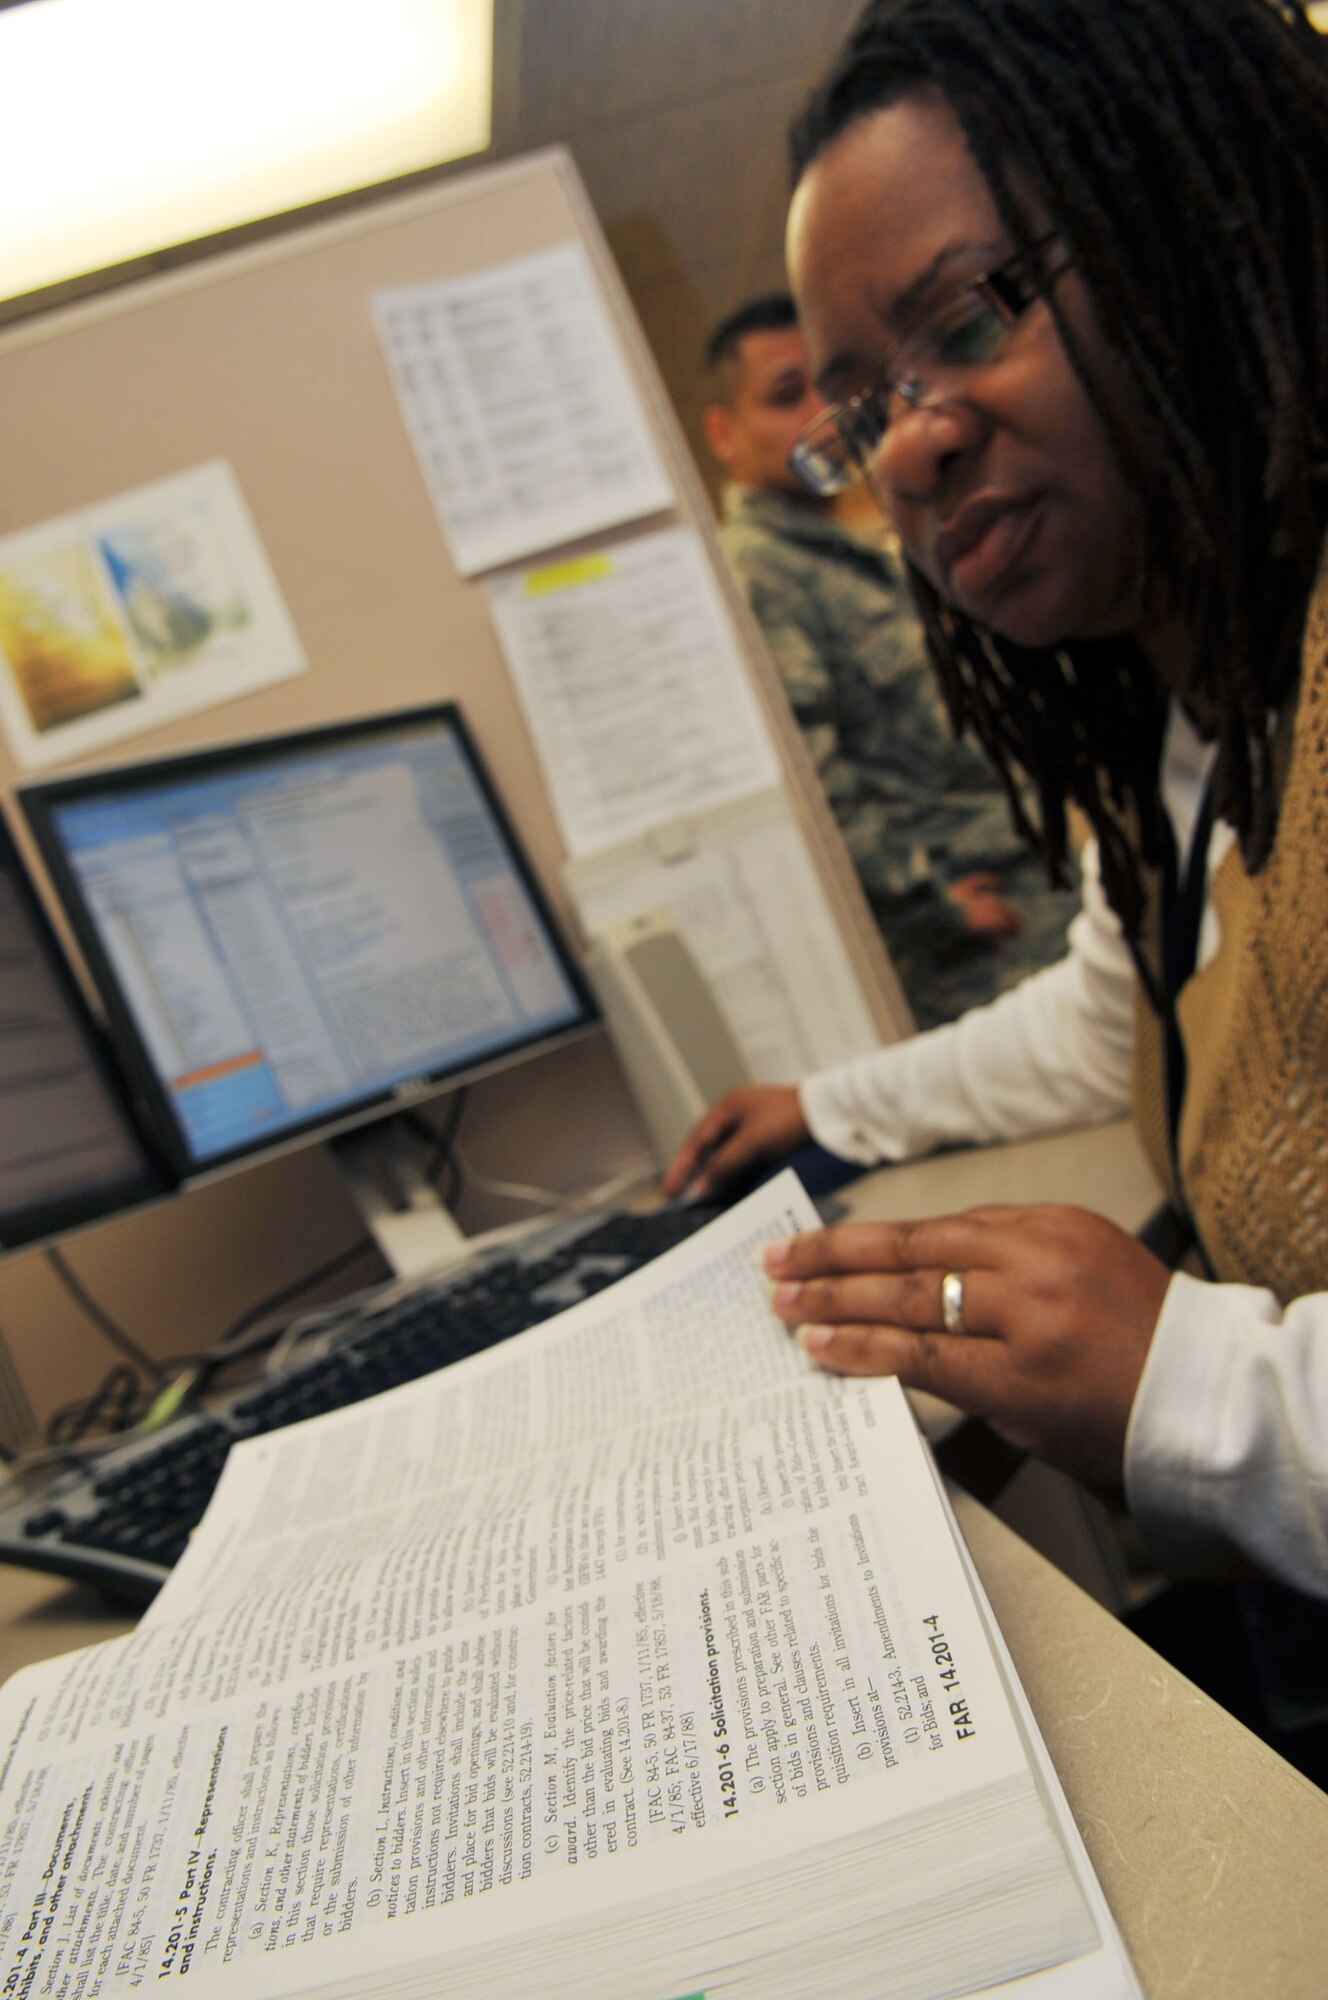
pixel 1063 271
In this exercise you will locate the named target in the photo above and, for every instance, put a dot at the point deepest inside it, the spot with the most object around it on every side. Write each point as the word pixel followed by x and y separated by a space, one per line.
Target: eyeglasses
pixel 969 331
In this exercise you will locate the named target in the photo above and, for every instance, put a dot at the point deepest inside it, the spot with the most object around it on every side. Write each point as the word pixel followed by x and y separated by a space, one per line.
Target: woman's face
pixel 1005 490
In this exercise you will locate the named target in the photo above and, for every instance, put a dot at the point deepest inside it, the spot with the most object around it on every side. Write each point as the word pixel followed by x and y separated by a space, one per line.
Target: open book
pixel 632 1658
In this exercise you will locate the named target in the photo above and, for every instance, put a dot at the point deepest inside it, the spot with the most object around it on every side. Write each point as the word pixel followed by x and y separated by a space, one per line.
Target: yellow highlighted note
pixel 567 575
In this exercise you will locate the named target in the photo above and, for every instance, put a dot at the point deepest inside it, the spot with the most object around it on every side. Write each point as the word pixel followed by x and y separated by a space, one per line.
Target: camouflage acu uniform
pixel 917 809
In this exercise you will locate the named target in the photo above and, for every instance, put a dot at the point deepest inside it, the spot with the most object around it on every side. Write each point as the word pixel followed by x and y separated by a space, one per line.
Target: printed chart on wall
pixel 133 611
pixel 520 407
pixel 637 700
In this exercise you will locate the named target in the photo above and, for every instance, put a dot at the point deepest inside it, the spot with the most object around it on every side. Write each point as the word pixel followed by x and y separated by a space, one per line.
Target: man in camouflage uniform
pixel 964 908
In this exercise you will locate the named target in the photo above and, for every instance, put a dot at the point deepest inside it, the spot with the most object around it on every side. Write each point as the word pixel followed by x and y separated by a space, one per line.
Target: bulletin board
pixel 268 360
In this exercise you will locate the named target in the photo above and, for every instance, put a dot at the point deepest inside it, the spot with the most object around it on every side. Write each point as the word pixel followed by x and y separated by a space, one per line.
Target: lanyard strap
pixel 1183 901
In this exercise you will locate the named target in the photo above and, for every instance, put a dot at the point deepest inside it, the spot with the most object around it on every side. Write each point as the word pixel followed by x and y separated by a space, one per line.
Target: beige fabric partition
pixel 268 358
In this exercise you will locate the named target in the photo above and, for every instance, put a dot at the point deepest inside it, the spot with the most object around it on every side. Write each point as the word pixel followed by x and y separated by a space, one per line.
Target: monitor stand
pixel 400 1207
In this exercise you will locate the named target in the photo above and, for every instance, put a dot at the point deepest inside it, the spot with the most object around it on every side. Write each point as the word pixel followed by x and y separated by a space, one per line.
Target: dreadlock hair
pixel 1180 148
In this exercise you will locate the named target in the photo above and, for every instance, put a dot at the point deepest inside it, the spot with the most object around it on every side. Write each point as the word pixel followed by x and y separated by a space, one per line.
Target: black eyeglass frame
pixel 860 422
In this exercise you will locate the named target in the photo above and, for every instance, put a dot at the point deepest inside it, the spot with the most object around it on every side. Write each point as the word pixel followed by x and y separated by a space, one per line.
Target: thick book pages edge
pixel 638 1610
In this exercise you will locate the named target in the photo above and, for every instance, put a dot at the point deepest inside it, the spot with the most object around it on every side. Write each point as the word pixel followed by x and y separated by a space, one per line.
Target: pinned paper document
pixel 742 890
pixel 518 402
pixel 637 699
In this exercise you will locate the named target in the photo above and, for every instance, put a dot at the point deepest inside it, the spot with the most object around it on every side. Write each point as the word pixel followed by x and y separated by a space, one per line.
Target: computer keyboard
pixel 122 1519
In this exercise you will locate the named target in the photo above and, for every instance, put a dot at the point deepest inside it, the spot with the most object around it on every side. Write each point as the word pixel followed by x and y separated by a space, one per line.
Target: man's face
pixel 772 399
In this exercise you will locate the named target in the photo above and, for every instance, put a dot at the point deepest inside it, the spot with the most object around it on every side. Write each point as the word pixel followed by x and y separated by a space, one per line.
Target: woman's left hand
pixel 1058 1309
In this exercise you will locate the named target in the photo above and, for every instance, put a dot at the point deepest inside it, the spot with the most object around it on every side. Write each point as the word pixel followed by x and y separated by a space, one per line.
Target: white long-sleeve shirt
pixel 1226 1458
pixel 1053 1052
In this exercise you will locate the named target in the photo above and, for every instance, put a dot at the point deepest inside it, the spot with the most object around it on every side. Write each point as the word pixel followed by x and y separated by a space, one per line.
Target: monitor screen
pixel 69 1150
pixel 293 933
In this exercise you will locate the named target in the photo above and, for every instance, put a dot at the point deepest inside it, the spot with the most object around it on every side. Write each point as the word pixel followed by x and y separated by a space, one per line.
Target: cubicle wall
pixel 268 359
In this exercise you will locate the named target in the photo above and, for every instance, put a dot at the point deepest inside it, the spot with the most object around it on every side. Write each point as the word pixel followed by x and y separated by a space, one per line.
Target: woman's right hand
pixel 748 1125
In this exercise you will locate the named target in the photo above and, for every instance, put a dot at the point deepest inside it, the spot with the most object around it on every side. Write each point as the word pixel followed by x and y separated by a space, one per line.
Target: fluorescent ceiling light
pixel 133 124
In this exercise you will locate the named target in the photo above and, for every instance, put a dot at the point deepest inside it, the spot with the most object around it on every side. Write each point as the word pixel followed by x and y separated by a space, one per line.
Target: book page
pixel 492 1655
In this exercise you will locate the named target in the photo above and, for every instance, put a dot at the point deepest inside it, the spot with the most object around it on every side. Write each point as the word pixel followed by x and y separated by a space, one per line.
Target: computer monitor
pixel 297 934
pixel 69 1149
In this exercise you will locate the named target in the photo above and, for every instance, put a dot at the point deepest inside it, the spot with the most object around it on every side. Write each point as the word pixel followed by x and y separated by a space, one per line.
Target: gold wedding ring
pixel 952 1302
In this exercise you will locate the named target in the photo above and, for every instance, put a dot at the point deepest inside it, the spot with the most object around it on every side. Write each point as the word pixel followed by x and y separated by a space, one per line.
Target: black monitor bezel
pixel 54 1215
pixel 41 800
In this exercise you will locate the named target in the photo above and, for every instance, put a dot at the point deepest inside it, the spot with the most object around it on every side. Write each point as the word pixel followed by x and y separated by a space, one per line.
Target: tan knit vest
pixel 1253 1139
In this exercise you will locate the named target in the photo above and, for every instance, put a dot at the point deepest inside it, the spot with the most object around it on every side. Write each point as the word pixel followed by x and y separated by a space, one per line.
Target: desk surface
pixel 1098 1167
pixel 1213 1852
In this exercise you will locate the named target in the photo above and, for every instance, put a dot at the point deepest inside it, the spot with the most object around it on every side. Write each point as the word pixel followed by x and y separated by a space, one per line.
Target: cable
pixel 115 1405
pixel 557 1198
pixel 441 1140
pixel 445 1155
pixel 41 1457
pixel 102 1319
pixel 119 1403
pixel 19 1418
pixel 300 1334
pixel 225 1349
pixel 234 1346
